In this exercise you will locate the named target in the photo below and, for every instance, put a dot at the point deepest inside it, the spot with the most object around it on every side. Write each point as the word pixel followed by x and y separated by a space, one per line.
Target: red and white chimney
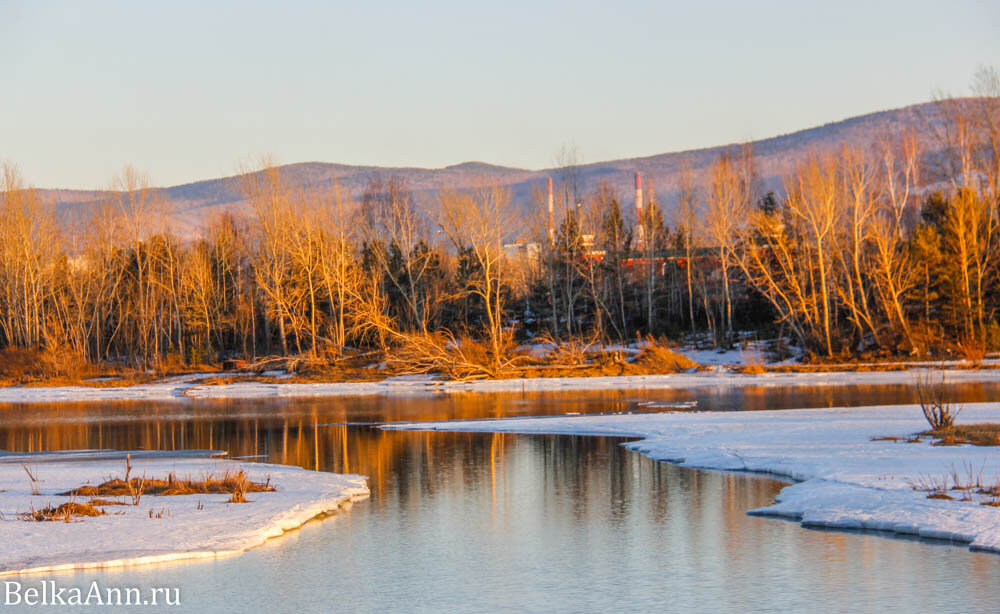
pixel 640 234
pixel 638 196
pixel 552 211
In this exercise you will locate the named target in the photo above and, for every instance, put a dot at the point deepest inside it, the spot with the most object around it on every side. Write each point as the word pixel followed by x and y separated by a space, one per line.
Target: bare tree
pixel 688 224
pixel 726 218
pixel 268 197
pixel 399 243
pixel 28 238
pixel 477 221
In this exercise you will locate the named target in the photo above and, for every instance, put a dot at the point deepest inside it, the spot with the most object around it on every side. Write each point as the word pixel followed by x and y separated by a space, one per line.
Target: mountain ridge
pixel 191 204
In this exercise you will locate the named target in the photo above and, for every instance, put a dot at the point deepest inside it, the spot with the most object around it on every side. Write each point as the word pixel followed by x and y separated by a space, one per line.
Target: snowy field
pixel 128 536
pixel 190 387
pixel 843 478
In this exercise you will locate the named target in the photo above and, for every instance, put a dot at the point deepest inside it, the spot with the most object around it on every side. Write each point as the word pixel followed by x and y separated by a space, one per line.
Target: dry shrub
pixel 172 362
pixel 938 412
pixel 571 352
pixel 658 358
pixel 459 358
pixel 19 365
pixel 753 360
pixel 936 486
pixel 23 366
pixel 240 484
pixel 289 364
pixel 972 350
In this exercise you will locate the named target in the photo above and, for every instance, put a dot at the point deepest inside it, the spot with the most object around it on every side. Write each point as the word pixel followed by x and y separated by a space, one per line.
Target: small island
pixel 94 508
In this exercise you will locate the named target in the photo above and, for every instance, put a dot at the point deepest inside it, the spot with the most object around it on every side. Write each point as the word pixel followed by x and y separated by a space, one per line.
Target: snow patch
pixel 182 389
pixel 128 536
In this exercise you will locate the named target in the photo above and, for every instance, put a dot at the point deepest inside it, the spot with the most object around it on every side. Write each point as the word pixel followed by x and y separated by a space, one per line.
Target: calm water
pixel 461 522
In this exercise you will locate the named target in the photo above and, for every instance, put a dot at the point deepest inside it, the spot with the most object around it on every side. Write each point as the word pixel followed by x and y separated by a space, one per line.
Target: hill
pixel 193 203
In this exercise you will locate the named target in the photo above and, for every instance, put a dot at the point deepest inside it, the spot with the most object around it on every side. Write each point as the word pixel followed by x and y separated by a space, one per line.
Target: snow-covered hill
pixel 191 204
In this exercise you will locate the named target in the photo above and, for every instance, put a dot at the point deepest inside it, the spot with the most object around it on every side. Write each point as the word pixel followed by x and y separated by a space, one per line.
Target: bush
pixel 938 412
pixel 659 358
pixel 21 366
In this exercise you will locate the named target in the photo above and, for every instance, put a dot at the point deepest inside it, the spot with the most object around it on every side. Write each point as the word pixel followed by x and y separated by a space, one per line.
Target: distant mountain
pixel 192 204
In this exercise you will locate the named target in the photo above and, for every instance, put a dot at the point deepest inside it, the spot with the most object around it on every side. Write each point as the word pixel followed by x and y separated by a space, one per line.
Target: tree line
pixel 890 248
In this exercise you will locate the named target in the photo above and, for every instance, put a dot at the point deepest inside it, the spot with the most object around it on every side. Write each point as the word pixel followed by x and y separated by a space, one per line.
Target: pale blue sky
pixel 184 90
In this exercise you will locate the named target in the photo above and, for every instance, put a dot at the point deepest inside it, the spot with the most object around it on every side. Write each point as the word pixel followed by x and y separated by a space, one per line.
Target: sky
pixel 187 90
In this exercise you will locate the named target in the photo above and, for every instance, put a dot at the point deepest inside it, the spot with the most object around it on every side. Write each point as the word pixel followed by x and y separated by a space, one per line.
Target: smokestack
pixel 639 234
pixel 552 211
pixel 638 196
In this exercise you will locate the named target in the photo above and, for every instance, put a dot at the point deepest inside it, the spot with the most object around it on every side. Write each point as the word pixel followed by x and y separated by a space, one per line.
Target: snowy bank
pixel 845 479
pixel 182 389
pixel 190 526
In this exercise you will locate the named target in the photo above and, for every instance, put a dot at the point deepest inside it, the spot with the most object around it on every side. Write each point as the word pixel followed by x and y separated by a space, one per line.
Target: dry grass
pixel 964 481
pixel 912 439
pixel 574 361
pixel 753 361
pixel 35 368
pixel 32 478
pixel 978 434
pixel 240 484
pixel 229 482
pixel 104 502
pixel 63 513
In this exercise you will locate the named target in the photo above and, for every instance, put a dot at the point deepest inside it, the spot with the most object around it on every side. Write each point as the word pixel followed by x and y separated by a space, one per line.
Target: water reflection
pixel 486 523
pixel 499 522
pixel 331 434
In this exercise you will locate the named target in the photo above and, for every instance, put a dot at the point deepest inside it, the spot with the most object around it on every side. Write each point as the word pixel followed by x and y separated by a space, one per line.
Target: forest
pixel 889 249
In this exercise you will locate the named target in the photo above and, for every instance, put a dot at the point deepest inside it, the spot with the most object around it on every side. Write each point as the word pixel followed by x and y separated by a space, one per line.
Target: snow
pixel 703 353
pixel 184 388
pixel 844 478
pixel 128 536
pixel 751 353
pixel 426 385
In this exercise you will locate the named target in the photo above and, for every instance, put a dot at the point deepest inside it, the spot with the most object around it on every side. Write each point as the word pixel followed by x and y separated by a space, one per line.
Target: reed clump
pixel 230 482
pixel 62 513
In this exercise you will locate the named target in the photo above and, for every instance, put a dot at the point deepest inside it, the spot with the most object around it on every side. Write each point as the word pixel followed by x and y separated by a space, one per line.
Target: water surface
pixel 489 522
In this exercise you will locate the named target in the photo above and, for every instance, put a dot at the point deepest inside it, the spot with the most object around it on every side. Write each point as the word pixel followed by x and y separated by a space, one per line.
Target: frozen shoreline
pixel 843 479
pixel 184 388
pixel 128 536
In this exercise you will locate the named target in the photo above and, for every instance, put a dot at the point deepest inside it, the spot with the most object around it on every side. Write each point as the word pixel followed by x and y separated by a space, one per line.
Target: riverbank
pixel 845 478
pixel 159 528
pixel 207 386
